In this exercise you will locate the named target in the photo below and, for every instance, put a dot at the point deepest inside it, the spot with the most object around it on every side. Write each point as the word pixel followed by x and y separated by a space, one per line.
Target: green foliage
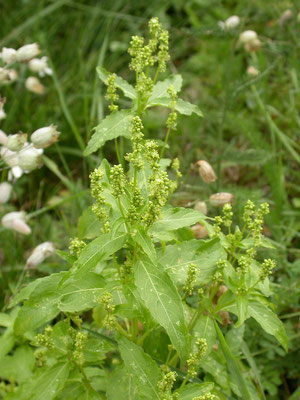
pixel 137 268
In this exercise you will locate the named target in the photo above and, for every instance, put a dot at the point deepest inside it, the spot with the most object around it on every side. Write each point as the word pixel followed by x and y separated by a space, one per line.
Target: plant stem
pixel 118 151
pixel 165 143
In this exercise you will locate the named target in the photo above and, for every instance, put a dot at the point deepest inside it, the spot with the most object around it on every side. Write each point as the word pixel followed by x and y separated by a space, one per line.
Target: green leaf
pixel 66 256
pixel 7 342
pixel 205 328
pixel 233 366
pixel 19 366
pixel 269 321
pixel 177 217
pixel 182 106
pixel 120 378
pixel 48 385
pixel 127 89
pixel 81 294
pixel 144 240
pixel 177 258
pixel 242 310
pixel 41 306
pixel 162 299
pixel 114 125
pixel 195 389
pixel 88 225
pixel 144 370
pixel 98 250
pixel 160 89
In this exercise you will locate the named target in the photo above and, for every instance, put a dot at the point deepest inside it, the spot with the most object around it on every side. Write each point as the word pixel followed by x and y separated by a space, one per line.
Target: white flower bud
pixel 34 85
pixel 8 55
pixel 40 66
pixel 201 206
pixel 39 254
pixel 15 173
pixel 16 221
pixel 27 52
pixel 247 36
pixel 5 192
pixel 206 171
pixel 9 157
pixel 232 22
pixel 200 231
pixel 252 71
pixel 219 199
pixel 3 138
pixel 44 137
pixel 30 158
pixel 16 142
pixel 285 17
pixel 4 75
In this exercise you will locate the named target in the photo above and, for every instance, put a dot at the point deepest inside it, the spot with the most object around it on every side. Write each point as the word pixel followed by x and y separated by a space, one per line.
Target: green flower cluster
pixel 109 309
pixel 111 93
pixel 254 220
pixel 165 385
pixel 196 357
pixel 118 180
pixel 76 246
pixel 207 396
pixel 97 192
pixel 45 339
pixel 191 279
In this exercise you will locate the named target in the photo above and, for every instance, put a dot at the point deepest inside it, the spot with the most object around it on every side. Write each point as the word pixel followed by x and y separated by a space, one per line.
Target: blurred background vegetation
pixel 250 131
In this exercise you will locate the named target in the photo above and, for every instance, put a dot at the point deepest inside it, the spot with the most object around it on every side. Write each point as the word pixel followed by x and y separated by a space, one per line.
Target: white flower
pixel 34 85
pixel 5 192
pixel 232 22
pixel 247 36
pixel 3 138
pixel 7 75
pixel 44 137
pixel 27 52
pixel 30 158
pixel 39 254
pixel 206 171
pixel 8 55
pixel 252 71
pixel 219 199
pixel 15 173
pixel 16 221
pixel 40 66
pixel 9 157
pixel 17 141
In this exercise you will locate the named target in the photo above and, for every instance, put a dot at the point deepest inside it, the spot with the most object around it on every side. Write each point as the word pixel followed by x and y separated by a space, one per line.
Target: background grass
pixel 249 132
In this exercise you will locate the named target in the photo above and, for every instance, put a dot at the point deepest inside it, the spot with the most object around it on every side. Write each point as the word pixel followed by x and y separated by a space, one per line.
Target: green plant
pixel 161 300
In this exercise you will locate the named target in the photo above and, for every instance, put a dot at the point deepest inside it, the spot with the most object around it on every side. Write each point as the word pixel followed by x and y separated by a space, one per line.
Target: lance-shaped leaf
pixel 269 321
pixel 205 328
pixel 144 370
pixel 121 378
pixel 182 106
pixel 122 84
pixel 48 385
pixel 114 125
pixel 195 389
pixel 144 240
pixel 163 301
pixel 177 217
pixel 98 250
pixel 88 225
pixel 177 258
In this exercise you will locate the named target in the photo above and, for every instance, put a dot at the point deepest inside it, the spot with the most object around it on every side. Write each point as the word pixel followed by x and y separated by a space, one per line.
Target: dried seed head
pixel 39 254
pixel 219 199
pixel 16 142
pixel 201 206
pixel 27 52
pixel 34 85
pixel 5 192
pixel 44 137
pixel 206 171
pixel 16 221
pixel 253 45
